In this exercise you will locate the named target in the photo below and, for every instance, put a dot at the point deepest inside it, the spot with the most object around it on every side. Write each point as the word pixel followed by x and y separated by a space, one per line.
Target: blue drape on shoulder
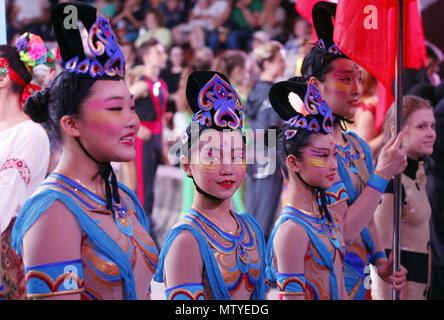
pixel 38 204
pixel 323 251
pixel 215 278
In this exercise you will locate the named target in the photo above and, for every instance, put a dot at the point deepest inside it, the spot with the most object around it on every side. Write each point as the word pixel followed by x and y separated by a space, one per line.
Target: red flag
pixel 367 32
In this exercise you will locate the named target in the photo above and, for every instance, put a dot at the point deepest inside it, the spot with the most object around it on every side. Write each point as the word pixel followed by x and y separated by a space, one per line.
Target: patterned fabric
pixel 13 270
pixel 186 291
pixel 64 277
pixel 19 165
pixel 323 258
pixel 108 262
pixel 355 156
pixel 2 292
pixel 291 283
pixel 246 250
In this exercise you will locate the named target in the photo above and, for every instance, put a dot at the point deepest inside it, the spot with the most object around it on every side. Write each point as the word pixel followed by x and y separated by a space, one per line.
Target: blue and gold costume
pixel 355 157
pixel 325 253
pixel 231 261
pixel 107 264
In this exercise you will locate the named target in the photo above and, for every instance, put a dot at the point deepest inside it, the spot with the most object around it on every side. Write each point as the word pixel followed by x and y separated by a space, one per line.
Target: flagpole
pixel 398 125
pixel 3 39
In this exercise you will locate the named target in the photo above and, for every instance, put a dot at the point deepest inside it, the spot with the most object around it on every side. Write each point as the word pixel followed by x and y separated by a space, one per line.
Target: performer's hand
pixel 398 279
pixel 144 133
pixel 393 159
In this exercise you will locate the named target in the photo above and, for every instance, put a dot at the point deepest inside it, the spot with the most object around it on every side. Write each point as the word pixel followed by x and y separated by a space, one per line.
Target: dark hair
pixel 317 64
pixel 10 53
pixel 293 146
pixel 64 97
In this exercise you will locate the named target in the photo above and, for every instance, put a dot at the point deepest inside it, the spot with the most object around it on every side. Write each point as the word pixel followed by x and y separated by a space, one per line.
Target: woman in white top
pixel 24 158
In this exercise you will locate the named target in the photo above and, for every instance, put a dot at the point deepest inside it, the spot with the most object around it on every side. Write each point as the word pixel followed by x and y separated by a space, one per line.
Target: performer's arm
pixel 290 245
pixel 51 251
pixel 392 161
pixel 184 269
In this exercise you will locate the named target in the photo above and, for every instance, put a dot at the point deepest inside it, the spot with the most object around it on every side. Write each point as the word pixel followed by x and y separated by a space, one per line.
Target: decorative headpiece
pixel 301 107
pixel 102 57
pixel 33 52
pixel 214 102
pixel 323 21
pixel 324 50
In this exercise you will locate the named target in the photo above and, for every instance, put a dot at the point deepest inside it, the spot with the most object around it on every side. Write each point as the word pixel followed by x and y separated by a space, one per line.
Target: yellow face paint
pixel 318 163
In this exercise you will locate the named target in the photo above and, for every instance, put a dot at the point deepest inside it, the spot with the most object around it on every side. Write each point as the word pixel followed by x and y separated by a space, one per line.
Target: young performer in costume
pixel 417 115
pixel 338 80
pixel 24 148
pixel 213 253
pixel 83 235
pixel 305 253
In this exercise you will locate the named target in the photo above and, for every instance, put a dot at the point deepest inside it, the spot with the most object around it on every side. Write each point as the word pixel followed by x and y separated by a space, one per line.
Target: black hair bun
pixel 36 106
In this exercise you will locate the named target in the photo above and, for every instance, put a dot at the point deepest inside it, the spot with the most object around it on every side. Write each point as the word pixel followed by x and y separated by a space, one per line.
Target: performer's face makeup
pixel 421 133
pixel 108 122
pixel 318 165
pixel 341 87
pixel 219 166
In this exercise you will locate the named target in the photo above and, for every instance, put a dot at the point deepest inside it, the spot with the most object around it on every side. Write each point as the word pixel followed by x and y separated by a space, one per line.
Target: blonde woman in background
pixel 417 116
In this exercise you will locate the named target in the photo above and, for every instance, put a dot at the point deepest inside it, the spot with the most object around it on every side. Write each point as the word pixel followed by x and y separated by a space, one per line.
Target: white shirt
pixel 24 160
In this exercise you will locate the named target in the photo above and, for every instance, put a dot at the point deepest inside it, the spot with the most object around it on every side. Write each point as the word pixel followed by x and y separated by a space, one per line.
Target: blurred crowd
pixel 250 41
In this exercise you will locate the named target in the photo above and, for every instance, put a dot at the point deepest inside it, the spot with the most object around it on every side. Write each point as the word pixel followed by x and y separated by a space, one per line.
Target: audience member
pixel 201 22
pixel 297 46
pixel 234 27
pixel 154 27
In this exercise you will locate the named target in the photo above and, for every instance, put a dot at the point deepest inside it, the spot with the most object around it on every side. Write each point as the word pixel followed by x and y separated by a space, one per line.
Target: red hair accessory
pixel 28 91
pixel 5 69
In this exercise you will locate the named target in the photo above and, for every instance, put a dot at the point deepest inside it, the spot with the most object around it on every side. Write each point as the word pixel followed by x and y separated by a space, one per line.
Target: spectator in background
pixel 272 19
pixel 174 12
pixel 264 176
pixel 234 27
pixel 154 28
pixel 297 46
pixel 128 22
pixel 171 74
pixel 151 96
pixel 201 22
pixel 31 16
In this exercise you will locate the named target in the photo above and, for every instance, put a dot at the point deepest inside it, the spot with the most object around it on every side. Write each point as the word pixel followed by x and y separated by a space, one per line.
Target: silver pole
pixel 398 127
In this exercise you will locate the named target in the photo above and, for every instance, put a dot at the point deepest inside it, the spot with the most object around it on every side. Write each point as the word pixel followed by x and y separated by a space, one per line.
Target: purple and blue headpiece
pixel 302 107
pixel 103 57
pixel 213 100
